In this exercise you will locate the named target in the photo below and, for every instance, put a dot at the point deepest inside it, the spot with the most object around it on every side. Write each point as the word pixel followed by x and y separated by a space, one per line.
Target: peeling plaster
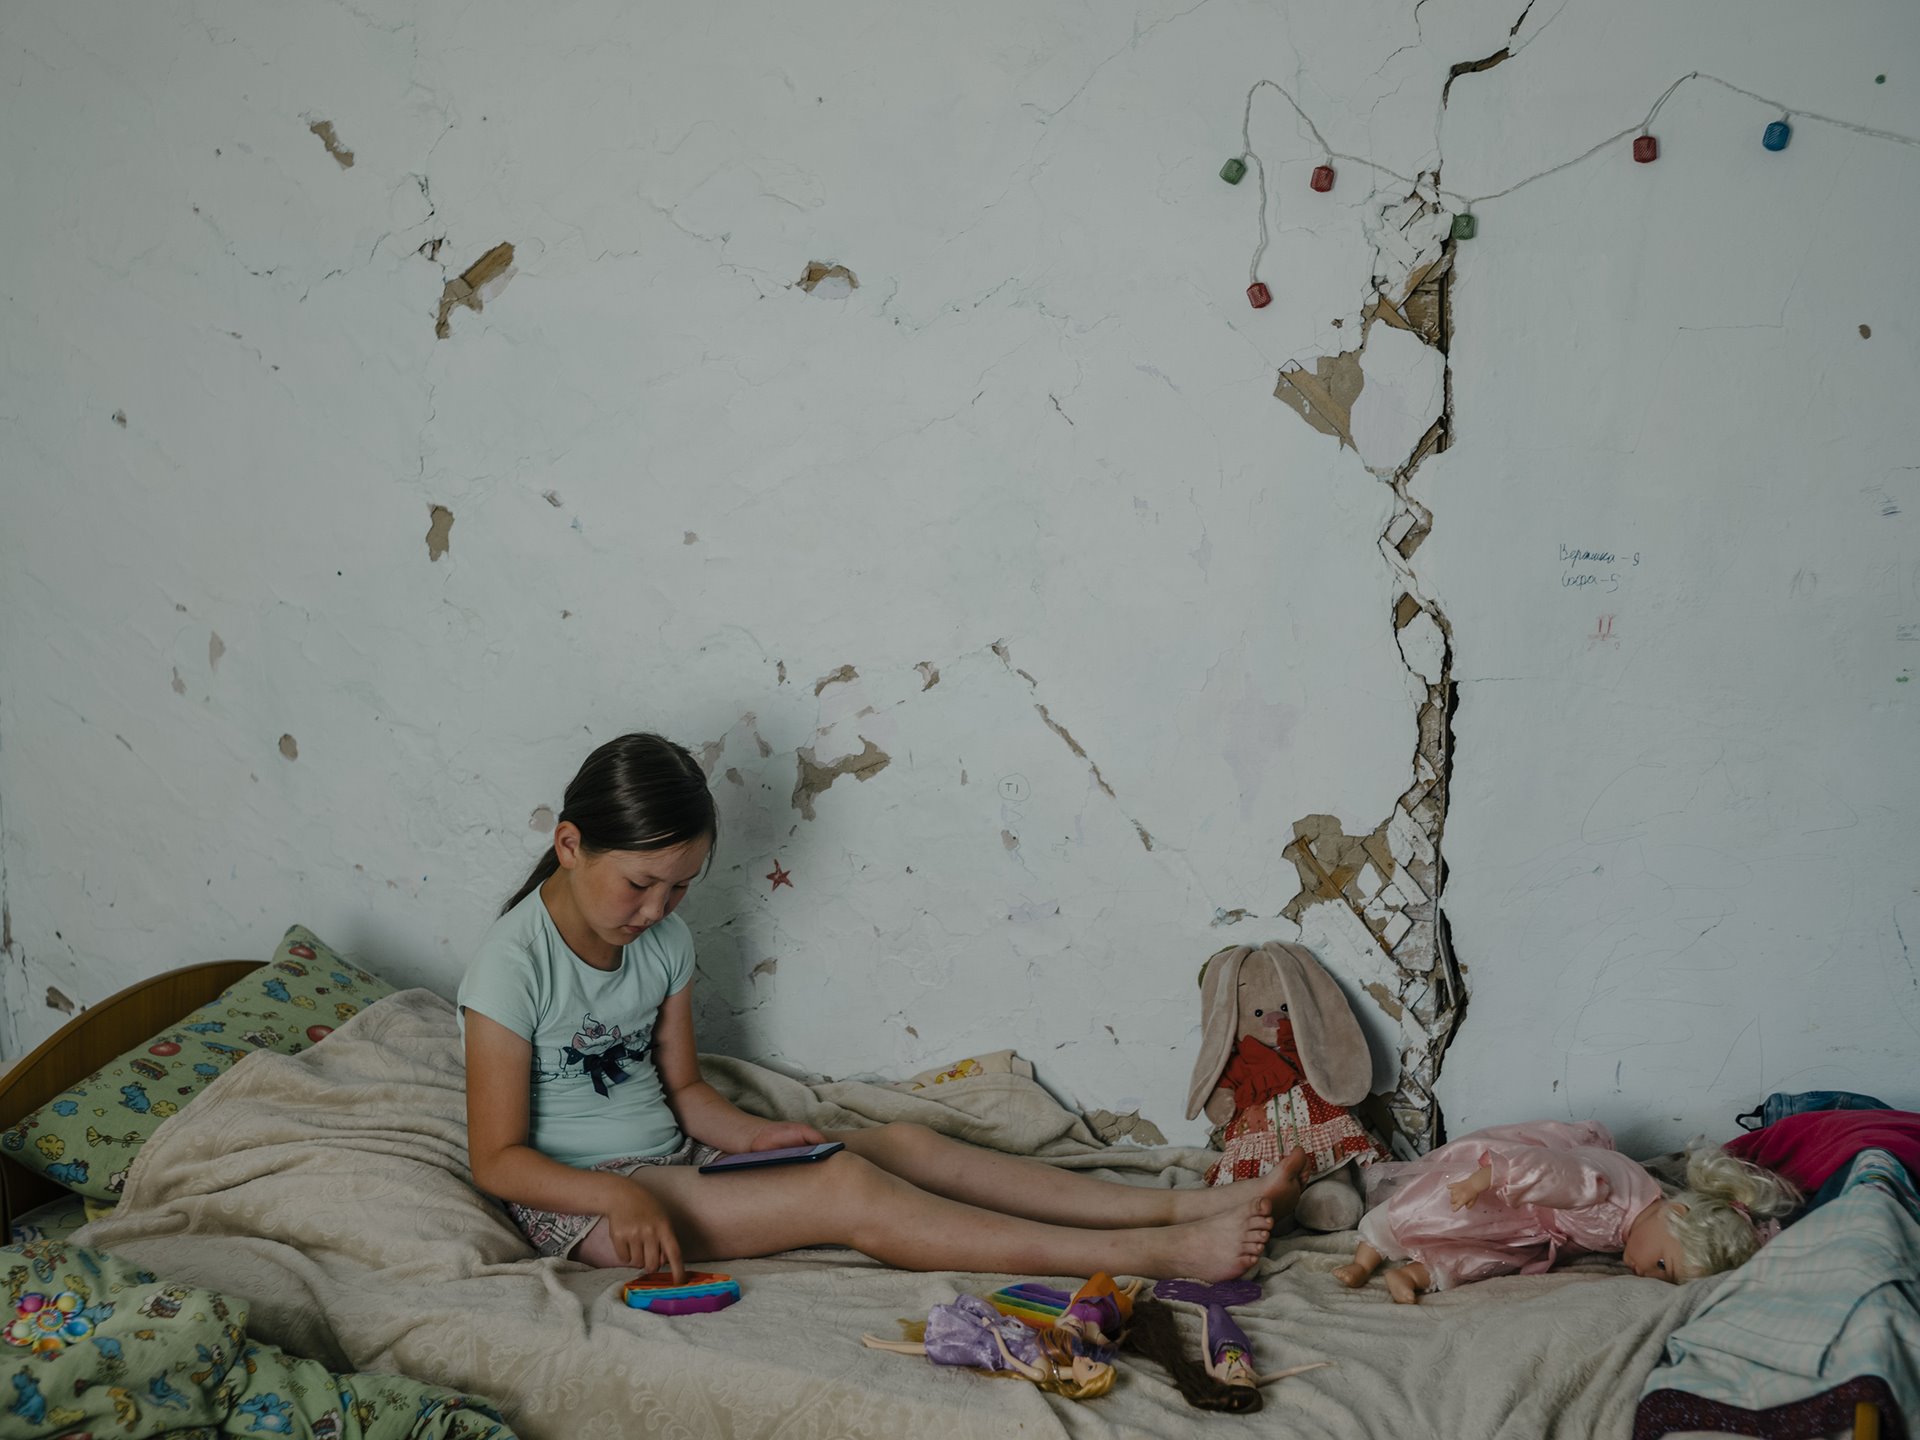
pixel 439 531
pixel 929 674
pixel 842 676
pixel 827 280
pixel 542 819
pixel 179 685
pixel 1324 398
pixel 469 287
pixel 56 1000
pixel 216 647
pixel 816 779
pixel 324 130
pixel 289 747
pixel 1127 1127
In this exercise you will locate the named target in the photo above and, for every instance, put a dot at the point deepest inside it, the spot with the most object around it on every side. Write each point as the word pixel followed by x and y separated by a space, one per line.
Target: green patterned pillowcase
pixel 86 1137
pixel 90 1345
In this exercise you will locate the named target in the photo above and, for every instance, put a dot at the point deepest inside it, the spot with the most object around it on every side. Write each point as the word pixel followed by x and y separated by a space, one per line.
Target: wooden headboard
pixel 96 1035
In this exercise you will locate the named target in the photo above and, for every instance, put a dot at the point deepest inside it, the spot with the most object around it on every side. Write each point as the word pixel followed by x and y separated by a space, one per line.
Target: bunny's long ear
pixel 1219 1019
pixel 1333 1047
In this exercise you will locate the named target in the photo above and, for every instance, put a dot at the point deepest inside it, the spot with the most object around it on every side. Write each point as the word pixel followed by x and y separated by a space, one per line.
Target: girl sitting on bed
pixel 587 1113
pixel 1516 1198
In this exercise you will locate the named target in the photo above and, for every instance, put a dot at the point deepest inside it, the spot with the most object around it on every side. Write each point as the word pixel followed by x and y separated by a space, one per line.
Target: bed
pixel 328 1190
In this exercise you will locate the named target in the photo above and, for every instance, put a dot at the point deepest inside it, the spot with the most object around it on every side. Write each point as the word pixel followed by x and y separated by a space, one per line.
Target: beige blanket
pixel 331 1190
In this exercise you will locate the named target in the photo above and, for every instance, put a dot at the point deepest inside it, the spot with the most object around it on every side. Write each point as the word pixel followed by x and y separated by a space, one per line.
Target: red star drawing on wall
pixel 780 877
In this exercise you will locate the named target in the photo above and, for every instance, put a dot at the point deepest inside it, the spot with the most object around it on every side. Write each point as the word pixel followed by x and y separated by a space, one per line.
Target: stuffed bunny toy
pixel 1281 1059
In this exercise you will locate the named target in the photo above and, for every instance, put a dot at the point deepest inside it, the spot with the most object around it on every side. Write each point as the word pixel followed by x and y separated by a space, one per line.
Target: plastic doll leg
pixel 1407 1283
pixel 1358 1271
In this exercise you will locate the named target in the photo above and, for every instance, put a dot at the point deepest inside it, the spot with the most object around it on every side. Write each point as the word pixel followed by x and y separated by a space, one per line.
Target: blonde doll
pixel 1520 1198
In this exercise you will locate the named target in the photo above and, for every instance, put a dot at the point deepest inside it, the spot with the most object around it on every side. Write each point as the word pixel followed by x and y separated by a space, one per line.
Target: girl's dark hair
pixel 640 792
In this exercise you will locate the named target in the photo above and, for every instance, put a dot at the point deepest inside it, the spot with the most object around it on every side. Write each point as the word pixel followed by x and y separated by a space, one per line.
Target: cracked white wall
pixel 685 490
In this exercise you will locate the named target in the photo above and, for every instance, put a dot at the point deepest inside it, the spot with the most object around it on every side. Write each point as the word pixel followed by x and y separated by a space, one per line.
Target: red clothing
pixel 1256 1073
pixel 1809 1149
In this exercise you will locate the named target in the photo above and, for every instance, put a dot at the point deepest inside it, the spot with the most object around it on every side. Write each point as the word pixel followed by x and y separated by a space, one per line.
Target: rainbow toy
pixel 1031 1303
pixel 701 1292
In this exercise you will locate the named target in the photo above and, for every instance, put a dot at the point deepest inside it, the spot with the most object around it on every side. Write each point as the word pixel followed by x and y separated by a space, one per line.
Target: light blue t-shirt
pixel 596 1092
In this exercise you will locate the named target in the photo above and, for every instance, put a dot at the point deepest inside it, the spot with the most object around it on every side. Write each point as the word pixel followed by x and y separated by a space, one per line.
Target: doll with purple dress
pixel 1517 1199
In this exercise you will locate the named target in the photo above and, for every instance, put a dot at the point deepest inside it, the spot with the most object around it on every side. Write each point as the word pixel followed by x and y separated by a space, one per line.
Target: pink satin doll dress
pixel 1557 1191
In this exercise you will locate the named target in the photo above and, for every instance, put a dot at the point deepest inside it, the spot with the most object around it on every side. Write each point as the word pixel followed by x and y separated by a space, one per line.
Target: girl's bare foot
pixel 1355 1273
pixel 1405 1282
pixel 1221 1247
pixel 1283 1184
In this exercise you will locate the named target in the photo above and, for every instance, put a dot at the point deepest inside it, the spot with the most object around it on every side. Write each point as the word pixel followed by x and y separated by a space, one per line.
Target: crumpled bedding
pixel 330 1190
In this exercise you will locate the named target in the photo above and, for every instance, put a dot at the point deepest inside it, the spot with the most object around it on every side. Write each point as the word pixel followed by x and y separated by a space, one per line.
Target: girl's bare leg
pixel 1036 1191
pixel 1359 1270
pixel 1407 1282
pixel 848 1201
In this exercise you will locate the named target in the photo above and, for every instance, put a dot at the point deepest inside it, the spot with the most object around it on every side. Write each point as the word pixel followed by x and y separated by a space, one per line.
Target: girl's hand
pixel 1464 1192
pixel 782 1134
pixel 641 1234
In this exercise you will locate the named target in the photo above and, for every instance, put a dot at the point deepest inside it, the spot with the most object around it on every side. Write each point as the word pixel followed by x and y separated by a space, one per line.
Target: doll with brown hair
pixel 1281 1059
pixel 1519 1198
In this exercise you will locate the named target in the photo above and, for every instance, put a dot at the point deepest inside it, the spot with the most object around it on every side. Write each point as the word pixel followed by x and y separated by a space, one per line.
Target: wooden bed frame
pixel 97 1035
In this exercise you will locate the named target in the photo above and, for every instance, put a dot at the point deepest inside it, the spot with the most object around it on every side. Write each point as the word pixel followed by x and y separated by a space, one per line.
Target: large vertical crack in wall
pixel 1383 889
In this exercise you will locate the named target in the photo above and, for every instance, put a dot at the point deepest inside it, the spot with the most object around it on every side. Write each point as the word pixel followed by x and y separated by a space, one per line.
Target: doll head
pixel 1727 1212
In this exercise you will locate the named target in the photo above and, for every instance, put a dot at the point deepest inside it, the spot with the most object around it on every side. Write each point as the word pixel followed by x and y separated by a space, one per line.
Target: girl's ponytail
pixel 1732 1209
pixel 639 792
pixel 548 863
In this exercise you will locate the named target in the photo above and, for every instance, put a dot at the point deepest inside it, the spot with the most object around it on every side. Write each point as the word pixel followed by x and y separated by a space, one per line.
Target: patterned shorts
pixel 552 1232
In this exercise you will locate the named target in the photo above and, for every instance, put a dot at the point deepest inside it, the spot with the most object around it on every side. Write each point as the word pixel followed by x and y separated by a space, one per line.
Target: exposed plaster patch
pixel 57 1001
pixel 216 647
pixel 689 538
pixel 815 779
pixel 289 747
pixel 179 685
pixel 1009 840
pixel 1866 332
pixel 828 280
pixel 552 497
pixel 542 819
pixel 1324 399
pixel 765 967
pixel 1228 917
pixel 929 674
pixel 324 130
pixel 1387 1003
pixel 844 675
pixel 439 531
pixel 710 752
pixel 734 777
pixel 493 268
pixel 780 672
pixel 1125 1127
pixel 1141 831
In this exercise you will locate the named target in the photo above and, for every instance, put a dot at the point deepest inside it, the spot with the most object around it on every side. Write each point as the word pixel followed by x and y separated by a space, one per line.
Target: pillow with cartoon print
pixel 91 1345
pixel 85 1138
